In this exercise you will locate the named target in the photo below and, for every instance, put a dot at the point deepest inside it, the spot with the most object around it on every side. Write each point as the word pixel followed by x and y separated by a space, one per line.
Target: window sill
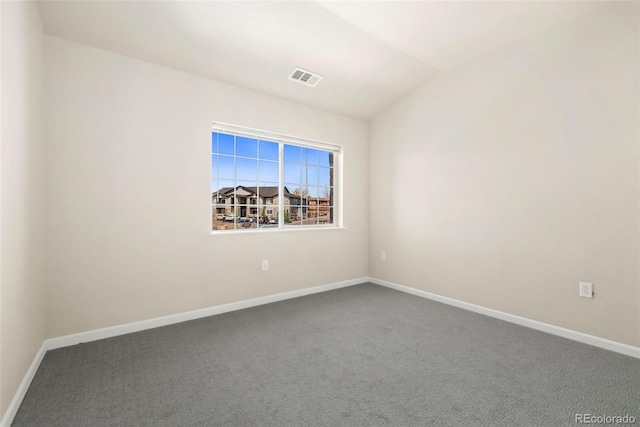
pixel 273 230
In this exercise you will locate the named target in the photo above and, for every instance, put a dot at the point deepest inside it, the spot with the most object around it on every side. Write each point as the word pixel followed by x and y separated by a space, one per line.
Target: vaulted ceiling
pixel 370 53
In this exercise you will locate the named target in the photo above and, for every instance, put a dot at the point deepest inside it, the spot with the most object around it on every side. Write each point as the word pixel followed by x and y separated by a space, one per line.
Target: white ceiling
pixel 370 53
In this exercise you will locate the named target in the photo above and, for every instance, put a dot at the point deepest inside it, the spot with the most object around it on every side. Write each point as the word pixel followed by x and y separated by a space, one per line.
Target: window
pixel 266 181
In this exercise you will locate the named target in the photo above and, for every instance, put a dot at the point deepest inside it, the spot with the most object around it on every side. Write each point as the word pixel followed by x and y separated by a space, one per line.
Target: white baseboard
pixel 113 331
pixel 128 328
pixel 606 344
pixel 12 410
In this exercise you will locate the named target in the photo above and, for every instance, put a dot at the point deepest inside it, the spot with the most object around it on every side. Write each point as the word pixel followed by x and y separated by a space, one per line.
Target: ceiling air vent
pixel 305 77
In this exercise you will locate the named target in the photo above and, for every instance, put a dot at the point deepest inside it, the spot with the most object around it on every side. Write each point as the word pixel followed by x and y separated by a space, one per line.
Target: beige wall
pixel 22 209
pixel 129 197
pixel 506 182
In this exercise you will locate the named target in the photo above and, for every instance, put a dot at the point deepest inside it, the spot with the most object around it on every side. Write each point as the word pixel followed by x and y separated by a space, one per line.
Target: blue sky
pixel 256 164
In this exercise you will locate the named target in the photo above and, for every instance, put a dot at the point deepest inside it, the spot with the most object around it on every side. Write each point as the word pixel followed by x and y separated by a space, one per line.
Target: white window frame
pixel 291 140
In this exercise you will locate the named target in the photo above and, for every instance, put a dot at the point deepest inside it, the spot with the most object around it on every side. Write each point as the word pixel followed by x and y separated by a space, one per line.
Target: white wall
pixel 22 208
pixel 506 182
pixel 128 199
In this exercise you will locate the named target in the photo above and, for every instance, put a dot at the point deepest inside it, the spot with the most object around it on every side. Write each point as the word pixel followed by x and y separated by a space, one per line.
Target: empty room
pixel 319 213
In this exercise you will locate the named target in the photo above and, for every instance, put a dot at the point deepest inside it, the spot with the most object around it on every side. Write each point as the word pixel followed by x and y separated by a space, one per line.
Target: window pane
pixel 245 219
pixel 311 173
pixel 242 211
pixel 293 199
pixel 325 215
pixel 226 185
pixel 299 215
pixel 310 156
pixel 313 191
pixel 324 176
pixel 303 215
pixel 268 199
pixel 268 193
pixel 254 217
pixel 296 192
pixel 248 187
pixel 214 172
pixel 225 143
pixel 324 192
pixel 312 215
pixel 294 187
pixel 214 190
pixel 288 188
pixel 325 158
pixel 214 142
pixel 246 147
pixel 269 190
pixel 226 168
pixel 268 214
pixel 290 215
pixel 250 194
pixel 217 218
pixel 268 171
pixel 268 150
pixel 292 153
pixel 225 218
pixel 292 172
pixel 246 169
pixel 245 190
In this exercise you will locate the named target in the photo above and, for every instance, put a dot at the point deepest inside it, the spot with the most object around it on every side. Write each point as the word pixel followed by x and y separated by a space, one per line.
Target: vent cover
pixel 305 77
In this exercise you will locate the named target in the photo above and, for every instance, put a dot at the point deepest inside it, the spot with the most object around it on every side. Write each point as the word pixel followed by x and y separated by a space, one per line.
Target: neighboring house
pixel 257 201
pixel 320 207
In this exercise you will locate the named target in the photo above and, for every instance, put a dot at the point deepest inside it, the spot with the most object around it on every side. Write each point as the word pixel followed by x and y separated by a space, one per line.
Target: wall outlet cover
pixel 586 290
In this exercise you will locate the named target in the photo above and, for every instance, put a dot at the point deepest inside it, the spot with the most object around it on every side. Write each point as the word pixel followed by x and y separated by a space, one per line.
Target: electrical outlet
pixel 586 290
pixel 265 265
pixel 383 255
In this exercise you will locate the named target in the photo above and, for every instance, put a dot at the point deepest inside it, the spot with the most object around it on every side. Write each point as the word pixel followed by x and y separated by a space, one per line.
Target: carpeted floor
pixel 358 356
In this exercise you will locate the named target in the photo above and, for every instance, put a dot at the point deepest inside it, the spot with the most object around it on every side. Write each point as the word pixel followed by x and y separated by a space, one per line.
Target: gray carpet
pixel 358 356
